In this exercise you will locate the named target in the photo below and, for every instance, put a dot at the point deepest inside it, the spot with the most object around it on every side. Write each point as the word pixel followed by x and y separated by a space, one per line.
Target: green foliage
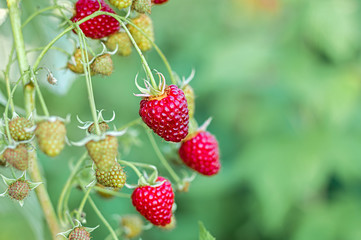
pixel 203 233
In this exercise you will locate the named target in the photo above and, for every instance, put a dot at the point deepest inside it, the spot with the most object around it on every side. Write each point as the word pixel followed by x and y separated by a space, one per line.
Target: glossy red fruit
pixel 97 27
pixel 159 1
pixel 167 115
pixel 155 203
pixel 201 153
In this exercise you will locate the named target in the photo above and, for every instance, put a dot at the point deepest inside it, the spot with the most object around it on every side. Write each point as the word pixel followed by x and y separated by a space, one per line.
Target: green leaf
pixel 203 233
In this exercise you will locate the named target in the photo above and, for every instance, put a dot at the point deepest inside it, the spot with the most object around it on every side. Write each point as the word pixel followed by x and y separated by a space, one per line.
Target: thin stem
pixel 162 158
pixel 129 164
pixel 41 98
pixel 144 61
pixel 130 124
pixel 32 16
pixel 86 67
pixel 67 186
pixel 8 90
pixel 160 53
pixel 100 215
pixel 111 192
pixel 82 203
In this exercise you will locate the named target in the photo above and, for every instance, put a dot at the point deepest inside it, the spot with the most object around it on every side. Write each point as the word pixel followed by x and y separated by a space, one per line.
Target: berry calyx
pixel 201 153
pixel 99 26
pixel 155 202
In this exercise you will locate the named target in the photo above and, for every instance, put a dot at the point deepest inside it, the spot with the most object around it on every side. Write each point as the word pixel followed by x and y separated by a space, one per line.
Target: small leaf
pixel 203 233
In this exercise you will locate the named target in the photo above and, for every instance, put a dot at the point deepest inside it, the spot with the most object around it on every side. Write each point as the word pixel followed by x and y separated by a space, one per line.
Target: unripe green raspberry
pixel 145 23
pixel 79 233
pixel 120 4
pixel 103 152
pixel 103 126
pixel 189 93
pixel 19 190
pixel 18 129
pixel 51 137
pixel 76 65
pixel 120 40
pixel 142 6
pixel 17 157
pixel 115 177
pixel 132 225
pixel 103 65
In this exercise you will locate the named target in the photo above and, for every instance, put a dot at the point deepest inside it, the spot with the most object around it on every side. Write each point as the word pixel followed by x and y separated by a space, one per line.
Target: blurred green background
pixel 282 81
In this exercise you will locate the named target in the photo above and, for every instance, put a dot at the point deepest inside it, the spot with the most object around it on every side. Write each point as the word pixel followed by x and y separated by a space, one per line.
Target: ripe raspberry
pixel 155 203
pixel 103 152
pixel 79 233
pixel 120 40
pixel 102 65
pixel 159 1
pixel 166 115
pixel 132 225
pixel 120 3
pixel 115 177
pixel 51 137
pixel 189 93
pixel 76 64
pixel 201 153
pixel 17 157
pixel 97 27
pixel 18 129
pixel 102 125
pixel 19 190
pixel 145 23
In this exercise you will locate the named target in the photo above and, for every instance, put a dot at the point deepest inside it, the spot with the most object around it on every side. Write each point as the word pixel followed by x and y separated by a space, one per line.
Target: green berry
pixel 18 128
pixel 120 40
pixel 115 177
pixel 79 233
pixel 102 65
pixel 19 190
pixel 17 157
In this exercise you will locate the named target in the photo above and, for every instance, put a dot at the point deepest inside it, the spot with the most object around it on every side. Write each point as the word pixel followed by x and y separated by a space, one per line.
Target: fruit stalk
pixel 14 13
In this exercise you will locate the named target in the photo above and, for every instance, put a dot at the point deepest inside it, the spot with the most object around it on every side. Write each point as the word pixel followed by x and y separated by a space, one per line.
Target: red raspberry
pixel 166 115
pixel 97 27
pixel 155 203
pixel 159 1
pixel 201 153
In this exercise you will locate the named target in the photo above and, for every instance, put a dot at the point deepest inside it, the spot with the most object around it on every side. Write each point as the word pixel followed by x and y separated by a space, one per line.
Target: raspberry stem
pixel 144 61
pixel 41 98
pixel 162 158
pixel 86 67
pixel 82 203
pixel 67 186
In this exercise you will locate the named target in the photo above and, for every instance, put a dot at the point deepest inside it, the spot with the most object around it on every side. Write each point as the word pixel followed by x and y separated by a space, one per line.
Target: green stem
pixel 87 71
pixel 67 186
pixel 41 98
pixel 162 158
pixel 111 192
pixel 131 165
pixel 100 215
pixel 8 90
pixel 160 53
pixel 82 203
pixel 130 124
pixel 144 61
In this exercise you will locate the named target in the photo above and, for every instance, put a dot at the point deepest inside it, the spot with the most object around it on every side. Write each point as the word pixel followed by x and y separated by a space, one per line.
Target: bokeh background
pixel 282 81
